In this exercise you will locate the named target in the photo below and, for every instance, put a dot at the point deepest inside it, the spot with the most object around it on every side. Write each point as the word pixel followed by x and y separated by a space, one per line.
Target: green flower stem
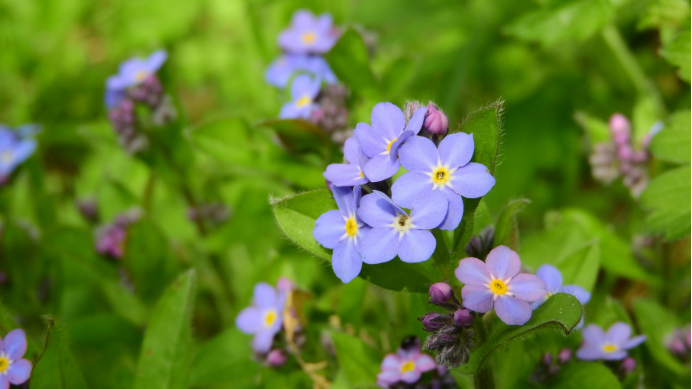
pixel 483 379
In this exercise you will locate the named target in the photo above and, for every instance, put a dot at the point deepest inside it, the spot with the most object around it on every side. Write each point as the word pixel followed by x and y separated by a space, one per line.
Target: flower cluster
pixel 678 343
pixel 137 83
pixel 16 146
pixel 110 239
pixel 14 369
pixel 619 156
pixel 405 369
pixel 377 228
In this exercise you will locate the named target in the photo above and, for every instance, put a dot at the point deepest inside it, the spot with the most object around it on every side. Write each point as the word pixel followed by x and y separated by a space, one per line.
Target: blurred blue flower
pixel 308 34
pixel 15 147
pixel 14 369
pixel 304 90
pixel 264 318
pixel 446 168
pixel 497 282
pixel 394 232
pixel 343 231
pixel 351 173
pixel 131 73
pixel 552 277
pixel 381 142
pixel 407 365
pixel 283 68
pixel 611 345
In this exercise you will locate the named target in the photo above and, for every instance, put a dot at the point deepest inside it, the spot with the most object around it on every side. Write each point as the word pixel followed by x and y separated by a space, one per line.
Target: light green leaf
pixel 581 267
pixel 397 77
pixel 667 198
pixel 592 375
pixel 227 140
pixel 677 53
pixel 560 312
pixel 597 130
pixel 57 367
pixel 225 359
pixel 672 144
pixel 359 362
pixel 645 114
pixel 349 61
pixel 165 358
pixel 302 136
pixel 124 302
pixel 506 229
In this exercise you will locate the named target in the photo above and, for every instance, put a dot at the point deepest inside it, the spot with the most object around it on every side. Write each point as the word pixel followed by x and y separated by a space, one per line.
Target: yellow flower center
pixel 308 38
pixel 408 366
pixel 269 318
pixel 609 348
pixel 4 364
pixel 498 287
pixel 351 227
pixel 6 156
pixel 361 174
pixel 440 176
pixel 303 101
pixel 141 75
pixel 389 146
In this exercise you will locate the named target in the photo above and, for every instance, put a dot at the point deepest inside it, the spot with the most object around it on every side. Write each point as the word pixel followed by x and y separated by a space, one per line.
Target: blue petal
pixel 387 120
pixel 593 335
pixel 250 320
pixel 590 353
pixel 618 333
pixel 376 211
pixel 303 85
pixel 512 311
pixel 455 211
pixel 472 181
pixel 15 344
pixel 19 372
pixel 396 145
pixel 380 168
pixel 264 296
pixel 342 174
pixel 409 186
pixel 379 245
pixel 329 229
pixel 344 197
pixel 416 246
pixel 289 111
pixel 577 291
pixel 351 150
pixel 551 276
pixel 262 341
pixel 416 122
pixel 156 60
pixel 369 143
pixel 419 153
pixel 346 261
pixel 456 149
pixel 429 209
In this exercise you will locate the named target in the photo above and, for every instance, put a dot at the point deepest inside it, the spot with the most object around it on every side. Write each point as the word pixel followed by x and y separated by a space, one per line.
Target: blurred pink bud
pixel 276 358
pixel 620 128
pixel 628 365
pixel 564 355
pixel 440 292
pixel 436 121
pixel 547 359
pixel 284 284
pixel 463 318
pixel 625 153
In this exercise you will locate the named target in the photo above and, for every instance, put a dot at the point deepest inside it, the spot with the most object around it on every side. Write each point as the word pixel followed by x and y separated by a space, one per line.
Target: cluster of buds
pixel 550 365
pixel 678 343
pixel 480 245
pixel 215 213
pixel 452 333
pixel 110 239
pixel 331 113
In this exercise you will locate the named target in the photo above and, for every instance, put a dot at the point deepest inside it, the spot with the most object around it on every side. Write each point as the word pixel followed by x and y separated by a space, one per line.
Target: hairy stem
pixel 483 379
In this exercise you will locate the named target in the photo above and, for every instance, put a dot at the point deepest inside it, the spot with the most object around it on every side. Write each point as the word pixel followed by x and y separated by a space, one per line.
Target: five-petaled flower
pixel 382 140
pixel 280 71
pixel 407 365
pixel 14 149
pixel 308 34
pixel 351 173
pixel 496 282
pixel 447 168
pixel 343 231
pixel 552 277
pixel 394 232
pixel 611 345
pixel 304 90
pixel 14 369
pixel 264 318
pixel 131 73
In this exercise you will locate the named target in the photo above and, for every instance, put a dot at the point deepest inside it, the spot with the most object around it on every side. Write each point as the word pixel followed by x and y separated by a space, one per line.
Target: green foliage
pixel 349 61
pixel 677 53
pixel 667 200
pixel 57 367
pixel 591 375
pixel 673 143
pixel 359 361
pixel 506 228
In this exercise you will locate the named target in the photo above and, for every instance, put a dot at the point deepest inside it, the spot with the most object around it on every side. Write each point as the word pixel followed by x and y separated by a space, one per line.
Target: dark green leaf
pixel 225 359
pixel 57 367
pixel 592 375
pixel 672 144
pixel 165 358
pixel 560 312
pixel 359 362
pixel 349 61
pixel 302 136
pixel 667 198
pixel 677 53
pixel 506 229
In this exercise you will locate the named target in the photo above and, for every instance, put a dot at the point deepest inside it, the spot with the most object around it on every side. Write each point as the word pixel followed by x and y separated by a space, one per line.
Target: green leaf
pixel 349 61
pixel 358 361
pixel 227 140
pixel 506 229
pixel 225 359
pixel 560 312
pixel 672 144
pixel 165 358
pixel 677 53
pixel 397 77
pixel 57 367
pixel 581 267
pixel 124 302
pixel 486 127
pixel 667 198
pixel 596 129
pixel 302 136
pixel 592 375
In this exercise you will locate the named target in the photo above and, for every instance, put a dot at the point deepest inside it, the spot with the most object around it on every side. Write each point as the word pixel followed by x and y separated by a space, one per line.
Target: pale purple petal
pixel 526 287
pixel 344 200
pixel 380 168
pixel 346 261
pixel 329 229
pixel 15 344
pixel 19 372
pixel 455 210
pixel 379 245
pixel 618 333
pixel 387 120
pixel 369 143
pixel 408 354
pixel 503 263
pixel 615 355
pixel 342 174
pixel 416 246
pixel 477 298
pixel 409 186
pixel 429 209
pixel 302 18
pixel 265 296
pixel 391 362
pixel 304 85
pixel 551 276
pixel 388 377
pixel 250 320
pixel 291 111
pixel 4 383
pixel 23 150
pixel 456 149
pixel 376 211
pixel 262 342
pixel 396 145
pixel 472 181
pixel 634 342
pixel 593 335
pixel 386 198
pixel 351 150
pixel 590 353
pixel 416 123
pixel 472 271
pixel 424 363
pixel 512 311
pixel 418 153
pixel 155 61
pixel 577 291
pixel 411 377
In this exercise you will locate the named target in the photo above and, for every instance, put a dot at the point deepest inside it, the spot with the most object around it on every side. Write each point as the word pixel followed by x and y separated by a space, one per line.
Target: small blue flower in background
pixel 394 232
pixel 264 318
pixel 304 90
pixel 15 147
pixel 343 231
pixel 351 173
pixel 382 140
pixel 447 168
pixel 280 71
pixel 131 73
pixel 552 277
pixel 308 34
pixel 611 345
pixel 14 369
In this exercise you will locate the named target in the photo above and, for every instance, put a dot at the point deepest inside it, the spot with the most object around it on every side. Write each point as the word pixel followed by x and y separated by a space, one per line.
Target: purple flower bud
pixel 628 365
pixel 276 358
pixel 432 321
pixel 639 156
pixel 564 355
pixel 463 318
pixel 440 292
pixel 625 152
pixel 620 128
pixel 547 359
pixel 284 284
pixel 677 347
pixel 436 121
pixel 409 108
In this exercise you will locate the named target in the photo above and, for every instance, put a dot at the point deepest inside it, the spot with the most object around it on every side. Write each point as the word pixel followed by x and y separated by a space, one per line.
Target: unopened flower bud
pixel 628 365
pixel 284 284
pixel 410 343
pixel 410 108
pixel 440 292
pixel 463 318
pixel 436 121
pixel 432 321
pixel 620 128
pixel 625 152
pixel 276 358
pixel 564 355
pixel 547 359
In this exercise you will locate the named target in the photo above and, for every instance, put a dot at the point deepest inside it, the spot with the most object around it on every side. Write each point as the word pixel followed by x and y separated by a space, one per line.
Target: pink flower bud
pixel 432 321
pixel 620 128
pixel 436 121
pixel 284 284
pixel 625 153
pixel 463 318
pixel 628 365
pixel 547 359
pixel 276 358
pixel 564 355
pixel 440 292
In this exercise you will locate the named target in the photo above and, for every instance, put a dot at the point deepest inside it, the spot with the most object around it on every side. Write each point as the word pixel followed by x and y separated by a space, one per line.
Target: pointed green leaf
pixel 359 361
pixel 165 358
pixel 672 144
pixel 57 367
pixel 667 198
pixel 506 229
pixel 560 312
pixel 349 61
